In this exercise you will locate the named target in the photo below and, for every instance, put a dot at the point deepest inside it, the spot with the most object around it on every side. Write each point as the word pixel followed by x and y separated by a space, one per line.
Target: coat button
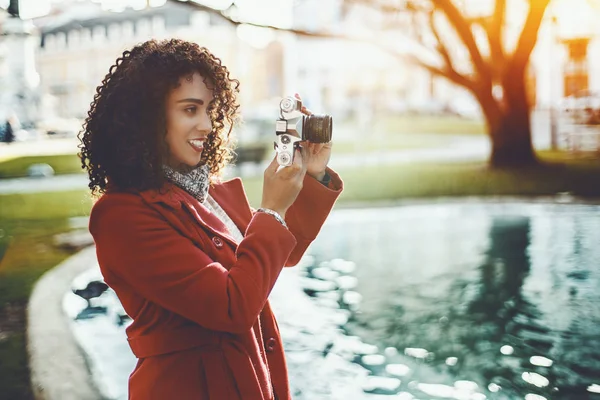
pixel 217 241
pixel 271 343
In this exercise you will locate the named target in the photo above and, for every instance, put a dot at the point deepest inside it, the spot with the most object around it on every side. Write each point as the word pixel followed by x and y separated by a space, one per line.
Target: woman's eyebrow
pixel 191 100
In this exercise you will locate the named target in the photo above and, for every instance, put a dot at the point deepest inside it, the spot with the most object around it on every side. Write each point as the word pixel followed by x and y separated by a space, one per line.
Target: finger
pixel 299 157
pixel 308 153
pixel 318 147
pixel 305 160
pixel 272 167
pixel 305 110
pixel 297 96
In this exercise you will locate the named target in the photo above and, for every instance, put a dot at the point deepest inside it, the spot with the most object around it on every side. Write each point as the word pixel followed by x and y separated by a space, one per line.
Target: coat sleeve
pixel 310 210
pixel 136 244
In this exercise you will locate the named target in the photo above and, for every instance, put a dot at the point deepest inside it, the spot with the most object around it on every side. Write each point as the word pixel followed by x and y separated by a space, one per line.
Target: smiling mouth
pixel 197 144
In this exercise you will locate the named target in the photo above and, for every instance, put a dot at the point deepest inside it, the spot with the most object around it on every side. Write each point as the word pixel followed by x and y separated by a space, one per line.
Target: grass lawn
pixel 558 173
pixel 390 142
pixel 395 132
pixel 28 223
pixel 62 164
pixel 439 124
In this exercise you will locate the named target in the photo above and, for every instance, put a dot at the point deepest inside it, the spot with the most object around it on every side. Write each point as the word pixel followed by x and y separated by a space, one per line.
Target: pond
pixel 473 300
pixel 504 298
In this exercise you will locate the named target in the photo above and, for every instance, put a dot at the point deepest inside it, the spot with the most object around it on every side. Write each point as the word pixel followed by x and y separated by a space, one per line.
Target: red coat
pixel 202 325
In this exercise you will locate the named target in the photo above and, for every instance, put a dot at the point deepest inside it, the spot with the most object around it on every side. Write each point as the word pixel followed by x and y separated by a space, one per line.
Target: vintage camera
pixel 293 127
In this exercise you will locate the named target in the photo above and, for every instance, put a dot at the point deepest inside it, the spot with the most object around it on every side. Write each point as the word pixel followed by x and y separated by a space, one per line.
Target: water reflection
pixel 505 297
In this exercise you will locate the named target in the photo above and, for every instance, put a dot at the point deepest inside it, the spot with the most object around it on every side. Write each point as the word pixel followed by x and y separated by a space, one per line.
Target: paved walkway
pixel 40 147
pixel 462 148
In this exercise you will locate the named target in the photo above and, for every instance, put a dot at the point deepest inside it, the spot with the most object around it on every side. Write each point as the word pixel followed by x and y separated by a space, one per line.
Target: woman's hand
pixel 317 154
pixel 281 185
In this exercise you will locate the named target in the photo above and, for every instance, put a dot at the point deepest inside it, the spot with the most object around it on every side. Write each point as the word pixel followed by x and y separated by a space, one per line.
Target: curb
pixel 59 370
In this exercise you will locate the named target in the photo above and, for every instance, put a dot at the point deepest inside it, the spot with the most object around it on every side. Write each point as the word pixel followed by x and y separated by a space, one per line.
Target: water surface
pixel 495 300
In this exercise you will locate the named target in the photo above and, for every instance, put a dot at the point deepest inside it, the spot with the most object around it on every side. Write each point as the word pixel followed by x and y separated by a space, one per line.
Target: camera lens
pixel 318 128
pixel 285 139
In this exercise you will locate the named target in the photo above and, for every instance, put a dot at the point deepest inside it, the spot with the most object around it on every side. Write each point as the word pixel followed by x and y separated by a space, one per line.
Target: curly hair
pixel 123 137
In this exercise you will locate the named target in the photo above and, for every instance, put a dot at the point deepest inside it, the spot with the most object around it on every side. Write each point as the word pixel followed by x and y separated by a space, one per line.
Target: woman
pixel 189 259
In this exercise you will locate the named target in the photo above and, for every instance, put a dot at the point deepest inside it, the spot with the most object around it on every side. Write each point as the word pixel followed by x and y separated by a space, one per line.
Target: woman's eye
pixel 190 110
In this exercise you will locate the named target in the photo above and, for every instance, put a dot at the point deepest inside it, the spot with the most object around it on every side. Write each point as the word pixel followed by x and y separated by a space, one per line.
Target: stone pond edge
pixel 58 368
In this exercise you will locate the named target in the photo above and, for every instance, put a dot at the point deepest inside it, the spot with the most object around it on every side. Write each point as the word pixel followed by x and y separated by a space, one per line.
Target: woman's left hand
pixel 317 154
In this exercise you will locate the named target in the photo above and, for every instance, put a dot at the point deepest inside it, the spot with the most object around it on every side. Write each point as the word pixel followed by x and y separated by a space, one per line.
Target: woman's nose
pixel 204 124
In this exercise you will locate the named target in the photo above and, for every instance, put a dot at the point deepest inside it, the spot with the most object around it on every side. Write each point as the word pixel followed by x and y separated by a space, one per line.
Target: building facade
pixel 566 60
pixel 79 43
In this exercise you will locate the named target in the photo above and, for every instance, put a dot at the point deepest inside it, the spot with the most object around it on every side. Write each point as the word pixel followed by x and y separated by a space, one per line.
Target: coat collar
pixel 229 195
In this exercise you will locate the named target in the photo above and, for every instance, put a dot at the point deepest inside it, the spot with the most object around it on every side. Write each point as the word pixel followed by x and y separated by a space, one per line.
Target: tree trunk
pixel 511 140
pixel 509 125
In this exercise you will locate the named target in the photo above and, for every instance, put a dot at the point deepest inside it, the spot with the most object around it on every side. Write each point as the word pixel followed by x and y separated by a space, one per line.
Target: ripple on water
pixel 535 379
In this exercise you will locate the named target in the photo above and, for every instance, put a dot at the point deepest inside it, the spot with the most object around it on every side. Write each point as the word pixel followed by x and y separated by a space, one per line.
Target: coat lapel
pixel 229 195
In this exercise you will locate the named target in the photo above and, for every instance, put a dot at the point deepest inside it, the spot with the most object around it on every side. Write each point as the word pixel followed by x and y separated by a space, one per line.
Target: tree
pixel 495 75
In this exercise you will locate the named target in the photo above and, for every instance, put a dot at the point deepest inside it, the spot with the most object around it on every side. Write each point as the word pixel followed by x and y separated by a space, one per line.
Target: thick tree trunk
pixel 511 140
pixel 509 125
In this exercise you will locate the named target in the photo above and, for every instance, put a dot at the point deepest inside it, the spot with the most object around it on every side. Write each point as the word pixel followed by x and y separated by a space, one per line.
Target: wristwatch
pixel 274 214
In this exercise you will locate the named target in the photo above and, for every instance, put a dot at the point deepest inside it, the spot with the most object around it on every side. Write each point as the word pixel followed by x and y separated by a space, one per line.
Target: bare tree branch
pixel 529 33
pixel 463 29
pixel 448 71
pixel 440 46
pixel 387 7
pixel 450 74
pixel 494 33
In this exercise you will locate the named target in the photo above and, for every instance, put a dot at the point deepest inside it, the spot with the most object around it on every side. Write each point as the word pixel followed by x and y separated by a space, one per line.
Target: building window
pixel 61 41
pixel 142 28
pixel 576 78
pixel 200 19
pixel 73 41
pixel 86 37
pixel 127 30
pixel 114 32
pixel 50 42
pixel 99 34
pixel 158 24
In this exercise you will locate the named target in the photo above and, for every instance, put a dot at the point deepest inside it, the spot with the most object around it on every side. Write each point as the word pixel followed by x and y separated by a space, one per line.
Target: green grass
pixel 390 141
pixel 28 224
pixel 62 164
pixel 414 124
pixel 557 173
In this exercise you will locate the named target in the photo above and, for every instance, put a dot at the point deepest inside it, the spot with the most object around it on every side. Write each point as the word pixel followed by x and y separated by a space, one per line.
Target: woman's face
pixel 188 123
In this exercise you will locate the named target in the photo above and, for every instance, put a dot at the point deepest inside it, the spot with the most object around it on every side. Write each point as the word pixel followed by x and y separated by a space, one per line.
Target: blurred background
pixel 461 259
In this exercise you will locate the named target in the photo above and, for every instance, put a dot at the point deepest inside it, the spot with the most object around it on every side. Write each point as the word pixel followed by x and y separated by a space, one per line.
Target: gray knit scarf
pixel 196 182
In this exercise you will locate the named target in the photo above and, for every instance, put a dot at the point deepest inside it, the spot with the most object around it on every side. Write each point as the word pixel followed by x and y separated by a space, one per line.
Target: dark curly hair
pixel 123 137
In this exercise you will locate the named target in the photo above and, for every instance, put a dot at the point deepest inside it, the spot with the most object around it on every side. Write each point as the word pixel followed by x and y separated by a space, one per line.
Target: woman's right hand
pixel 281 185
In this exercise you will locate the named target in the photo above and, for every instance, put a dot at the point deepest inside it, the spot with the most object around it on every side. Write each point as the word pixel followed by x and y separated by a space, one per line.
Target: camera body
pixel 294 127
